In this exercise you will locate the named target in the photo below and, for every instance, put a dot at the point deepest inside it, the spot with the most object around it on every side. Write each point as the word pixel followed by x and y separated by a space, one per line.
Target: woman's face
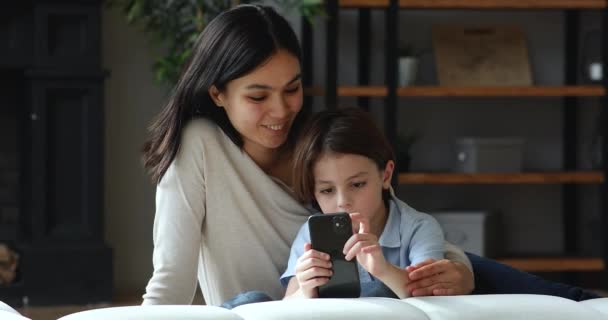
pixel 263 104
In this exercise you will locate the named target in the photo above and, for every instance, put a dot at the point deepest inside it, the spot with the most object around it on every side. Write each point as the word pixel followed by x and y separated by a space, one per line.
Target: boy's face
pixel 351 183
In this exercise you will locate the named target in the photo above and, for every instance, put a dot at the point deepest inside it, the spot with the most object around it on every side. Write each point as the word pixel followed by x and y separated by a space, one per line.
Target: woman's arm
pixel 180 210
pixel 450 276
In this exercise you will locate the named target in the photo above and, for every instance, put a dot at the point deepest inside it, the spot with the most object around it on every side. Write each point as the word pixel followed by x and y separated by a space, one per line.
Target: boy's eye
pixel 326 191
pixel 359 184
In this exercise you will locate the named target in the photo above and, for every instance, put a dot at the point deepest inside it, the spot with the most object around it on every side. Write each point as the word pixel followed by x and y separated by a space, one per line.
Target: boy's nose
pixel 344 204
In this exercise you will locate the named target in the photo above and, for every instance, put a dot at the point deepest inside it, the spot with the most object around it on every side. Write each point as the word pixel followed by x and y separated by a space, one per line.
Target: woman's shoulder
pixel 202 133
pixel 198 127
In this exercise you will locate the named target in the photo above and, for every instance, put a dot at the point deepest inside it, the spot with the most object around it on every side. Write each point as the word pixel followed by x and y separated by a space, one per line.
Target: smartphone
pixel 328 233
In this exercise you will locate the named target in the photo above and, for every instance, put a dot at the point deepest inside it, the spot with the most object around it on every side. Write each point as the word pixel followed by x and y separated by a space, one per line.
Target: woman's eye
pixel 293 90
pixel 258 99
pixel 359 184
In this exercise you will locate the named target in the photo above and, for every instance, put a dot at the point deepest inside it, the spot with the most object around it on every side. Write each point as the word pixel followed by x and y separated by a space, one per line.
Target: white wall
pixel 131 101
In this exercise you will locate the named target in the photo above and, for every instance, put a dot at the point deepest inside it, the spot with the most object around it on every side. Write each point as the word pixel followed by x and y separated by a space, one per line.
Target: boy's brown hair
pixel 343 131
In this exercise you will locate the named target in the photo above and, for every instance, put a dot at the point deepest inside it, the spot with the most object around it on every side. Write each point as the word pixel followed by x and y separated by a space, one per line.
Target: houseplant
pixel 175 24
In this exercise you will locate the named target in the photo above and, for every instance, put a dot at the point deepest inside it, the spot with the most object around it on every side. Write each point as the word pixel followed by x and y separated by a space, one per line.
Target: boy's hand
pixel 365 247
pixel 312 270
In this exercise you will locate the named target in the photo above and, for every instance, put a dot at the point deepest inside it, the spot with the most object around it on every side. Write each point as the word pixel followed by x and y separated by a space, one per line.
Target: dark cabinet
pixel 51 58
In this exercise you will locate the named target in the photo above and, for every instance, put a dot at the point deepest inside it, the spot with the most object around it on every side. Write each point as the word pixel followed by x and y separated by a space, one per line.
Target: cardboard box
pixel 473 231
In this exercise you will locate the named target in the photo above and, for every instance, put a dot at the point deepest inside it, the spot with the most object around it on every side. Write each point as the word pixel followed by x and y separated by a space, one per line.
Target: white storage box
pixel 493 155
pixel 473 231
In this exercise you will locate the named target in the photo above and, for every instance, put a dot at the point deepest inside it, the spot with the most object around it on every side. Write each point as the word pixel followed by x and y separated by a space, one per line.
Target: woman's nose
pixel 280 108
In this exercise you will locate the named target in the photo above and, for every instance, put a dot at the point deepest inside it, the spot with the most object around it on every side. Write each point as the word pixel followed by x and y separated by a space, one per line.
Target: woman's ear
pixel 387 176
pixel 217 96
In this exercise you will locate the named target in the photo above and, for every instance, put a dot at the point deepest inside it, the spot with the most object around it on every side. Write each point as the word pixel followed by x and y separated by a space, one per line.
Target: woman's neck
pixel 273 162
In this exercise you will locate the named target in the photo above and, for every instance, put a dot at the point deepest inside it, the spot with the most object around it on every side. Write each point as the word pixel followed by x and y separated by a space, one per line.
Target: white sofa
pixel 495 307
pixel 8 313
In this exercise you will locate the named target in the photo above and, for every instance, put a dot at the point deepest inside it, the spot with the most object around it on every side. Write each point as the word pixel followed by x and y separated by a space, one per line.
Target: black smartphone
pixel 328 233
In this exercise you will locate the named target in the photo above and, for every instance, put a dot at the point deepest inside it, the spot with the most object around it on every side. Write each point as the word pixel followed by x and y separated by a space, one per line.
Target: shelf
pixel 555 264
pixel 439 91
pixel 478 4
pixel 586 177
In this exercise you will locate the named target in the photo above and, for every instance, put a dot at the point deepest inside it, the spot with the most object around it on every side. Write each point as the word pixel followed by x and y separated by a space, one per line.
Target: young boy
pixel 343 163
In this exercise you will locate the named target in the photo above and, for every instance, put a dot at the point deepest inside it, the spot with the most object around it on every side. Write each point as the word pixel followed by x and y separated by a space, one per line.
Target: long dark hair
pixel 231 45
pixel 344 131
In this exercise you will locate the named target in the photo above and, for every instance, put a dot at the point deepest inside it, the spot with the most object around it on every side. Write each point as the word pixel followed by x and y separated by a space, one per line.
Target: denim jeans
pixel 245 298
pixel 492 277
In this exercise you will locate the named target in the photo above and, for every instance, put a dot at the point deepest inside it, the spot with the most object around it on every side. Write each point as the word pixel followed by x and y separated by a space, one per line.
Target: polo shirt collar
pixel 391 235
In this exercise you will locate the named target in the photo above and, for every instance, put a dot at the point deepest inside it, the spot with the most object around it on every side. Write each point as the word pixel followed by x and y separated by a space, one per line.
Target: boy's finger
pixel 356 238
pixel 370 249
pixel 307 246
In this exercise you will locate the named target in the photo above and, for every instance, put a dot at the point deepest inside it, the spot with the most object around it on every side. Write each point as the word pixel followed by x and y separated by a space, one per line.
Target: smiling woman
pixel 220 152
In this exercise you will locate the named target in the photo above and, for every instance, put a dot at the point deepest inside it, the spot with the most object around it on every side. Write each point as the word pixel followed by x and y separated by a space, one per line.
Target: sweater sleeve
pixel 180 212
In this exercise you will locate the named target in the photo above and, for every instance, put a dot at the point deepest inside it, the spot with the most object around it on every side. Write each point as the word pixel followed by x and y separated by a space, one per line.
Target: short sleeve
pixel 297 250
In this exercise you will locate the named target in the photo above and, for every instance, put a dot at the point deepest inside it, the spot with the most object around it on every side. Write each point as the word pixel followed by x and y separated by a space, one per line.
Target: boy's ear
pixel 217 96
pixel 387 176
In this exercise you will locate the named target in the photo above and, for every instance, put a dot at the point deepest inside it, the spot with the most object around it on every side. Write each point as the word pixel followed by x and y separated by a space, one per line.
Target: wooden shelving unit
pixel 593 177
pixel 478 4
pixel 439 91
pixel 569 177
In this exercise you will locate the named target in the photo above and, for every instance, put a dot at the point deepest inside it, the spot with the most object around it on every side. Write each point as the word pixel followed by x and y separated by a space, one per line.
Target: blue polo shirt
pixel 409 237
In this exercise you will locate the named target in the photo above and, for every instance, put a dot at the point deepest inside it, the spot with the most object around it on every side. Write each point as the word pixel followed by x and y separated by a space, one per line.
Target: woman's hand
pixel 365 247
pixel 312 270
pixel 439 278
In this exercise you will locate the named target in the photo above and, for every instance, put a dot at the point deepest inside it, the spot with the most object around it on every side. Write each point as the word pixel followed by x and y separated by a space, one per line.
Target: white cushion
pixel 6 315
pixel 155 313
pixel 503 307
pixel 600 304
pixel 314 309
pixel 6 307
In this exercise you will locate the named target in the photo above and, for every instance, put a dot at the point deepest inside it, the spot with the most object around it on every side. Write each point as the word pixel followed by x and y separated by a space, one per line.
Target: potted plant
pixel 175 25
pixel 407 65
pixel 403 150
